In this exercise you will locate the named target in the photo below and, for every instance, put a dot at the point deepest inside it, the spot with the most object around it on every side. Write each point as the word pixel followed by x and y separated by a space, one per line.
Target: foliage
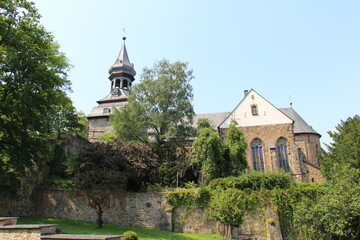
pixel 101 169
pixel 207 154
pixel 130 235
pixel 345 148
pixel 188 197
pixel 229 207
pixel 33 85
pixel 159 113
pixel 143 164
pixel 286 201
pixel 254 180
pixel 235 150
pixel 335 214
pixel 81 227
pixel 82 124
pixel 107 137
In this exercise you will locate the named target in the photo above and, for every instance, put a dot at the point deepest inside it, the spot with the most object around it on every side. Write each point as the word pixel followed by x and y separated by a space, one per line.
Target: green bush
pixel 129 235
pixel 254 180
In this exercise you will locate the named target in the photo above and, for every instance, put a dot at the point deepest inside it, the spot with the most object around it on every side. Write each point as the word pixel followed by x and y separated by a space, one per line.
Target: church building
pixel 122 75
pixel 277 138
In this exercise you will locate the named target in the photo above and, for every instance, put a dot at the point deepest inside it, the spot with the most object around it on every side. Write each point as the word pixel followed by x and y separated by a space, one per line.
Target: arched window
pixel 125 84
pixel 117 83
pixel 283 154
pixel 257 155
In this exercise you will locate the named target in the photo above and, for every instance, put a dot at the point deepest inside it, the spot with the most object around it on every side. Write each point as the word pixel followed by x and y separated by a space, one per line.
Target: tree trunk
pixel 99 220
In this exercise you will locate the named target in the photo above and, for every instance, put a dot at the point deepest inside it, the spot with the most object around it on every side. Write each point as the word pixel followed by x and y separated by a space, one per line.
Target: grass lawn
pixel 80 227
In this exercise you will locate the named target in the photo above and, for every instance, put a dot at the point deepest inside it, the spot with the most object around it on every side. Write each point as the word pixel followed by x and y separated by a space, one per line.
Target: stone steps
pixel 79 237
pixel 8 221
pixel 9 230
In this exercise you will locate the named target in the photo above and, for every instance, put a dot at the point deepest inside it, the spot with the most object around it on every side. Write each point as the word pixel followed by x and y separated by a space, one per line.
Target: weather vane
pixel 124 38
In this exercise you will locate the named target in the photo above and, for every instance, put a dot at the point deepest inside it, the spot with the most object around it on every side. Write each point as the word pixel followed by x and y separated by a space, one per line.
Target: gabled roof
pixel 215 118
pixel 122 63
pixel 300 126
pixel 284 117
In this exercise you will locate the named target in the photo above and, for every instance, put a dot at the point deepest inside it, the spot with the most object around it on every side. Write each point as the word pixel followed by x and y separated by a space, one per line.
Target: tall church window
pixel 254 109
pixel 257 155
pixel 117 83
pixel 282 153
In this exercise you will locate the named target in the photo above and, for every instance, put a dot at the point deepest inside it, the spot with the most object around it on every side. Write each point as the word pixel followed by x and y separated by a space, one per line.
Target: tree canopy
pixel 345 148
pixel 207 152
pixel 33 86
pixel 235 150
pixel 159 113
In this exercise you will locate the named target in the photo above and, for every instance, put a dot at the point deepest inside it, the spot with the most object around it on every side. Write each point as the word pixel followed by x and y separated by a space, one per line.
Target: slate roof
pixel 300 126
pixel 122 63
pixel 99 110
pixel 121 95
pixel 215 118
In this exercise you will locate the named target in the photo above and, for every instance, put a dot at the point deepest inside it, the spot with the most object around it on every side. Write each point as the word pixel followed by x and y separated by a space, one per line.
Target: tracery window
pixel 282 154
pixel 257 155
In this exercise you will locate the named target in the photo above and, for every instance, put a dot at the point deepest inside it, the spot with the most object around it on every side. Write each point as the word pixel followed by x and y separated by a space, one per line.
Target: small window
pixel 106 110
pixel 117 83
pixel 254 109
pixel 125 83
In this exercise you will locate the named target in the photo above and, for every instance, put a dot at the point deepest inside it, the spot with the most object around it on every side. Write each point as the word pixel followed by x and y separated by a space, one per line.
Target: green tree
pixel 335 214
pixel 207 153
pixel 345 148
pixel 33 86
pixel 159 113
pixel 235 150
pixel 229 207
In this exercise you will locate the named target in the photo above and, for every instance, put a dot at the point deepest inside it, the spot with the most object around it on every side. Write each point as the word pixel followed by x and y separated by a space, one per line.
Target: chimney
pixel 246 92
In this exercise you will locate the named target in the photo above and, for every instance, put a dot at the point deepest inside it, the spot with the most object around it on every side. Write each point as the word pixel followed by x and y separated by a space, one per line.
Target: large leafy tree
pixel 235 150
pixel 33 85
pixel 336 214
pixel 159 113
pixel 345 148
pixel 207 153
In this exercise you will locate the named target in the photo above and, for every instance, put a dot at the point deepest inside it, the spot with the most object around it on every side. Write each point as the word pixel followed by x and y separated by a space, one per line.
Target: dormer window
pixel 106 110
pixel 254 110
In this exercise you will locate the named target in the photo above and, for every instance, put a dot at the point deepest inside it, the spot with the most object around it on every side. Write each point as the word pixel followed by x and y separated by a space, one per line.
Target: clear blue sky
pixel 309 50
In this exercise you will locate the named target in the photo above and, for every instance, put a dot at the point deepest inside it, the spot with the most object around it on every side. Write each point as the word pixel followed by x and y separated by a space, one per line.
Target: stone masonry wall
pixel 19 234
pixel 129 209
pixel 271 133
pixel 145 210
pixel 97 127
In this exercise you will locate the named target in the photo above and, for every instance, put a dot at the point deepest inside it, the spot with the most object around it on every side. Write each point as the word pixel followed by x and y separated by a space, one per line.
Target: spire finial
pixel 290 101
pixel 124 38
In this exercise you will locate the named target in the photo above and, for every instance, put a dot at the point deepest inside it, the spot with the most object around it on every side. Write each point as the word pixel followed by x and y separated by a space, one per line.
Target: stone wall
pixel 129 209
pixel 143 210
pixel 97 127
pixel 269 134
pixel 20 234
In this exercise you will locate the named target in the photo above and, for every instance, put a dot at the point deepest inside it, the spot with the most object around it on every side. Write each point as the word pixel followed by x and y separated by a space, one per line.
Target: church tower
pixel 122 75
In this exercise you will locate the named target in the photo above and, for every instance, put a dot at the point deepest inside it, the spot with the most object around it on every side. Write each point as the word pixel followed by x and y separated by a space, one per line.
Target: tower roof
pixel 122 63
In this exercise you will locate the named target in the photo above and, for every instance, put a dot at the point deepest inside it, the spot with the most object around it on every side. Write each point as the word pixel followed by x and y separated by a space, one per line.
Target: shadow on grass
pixel 81 227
